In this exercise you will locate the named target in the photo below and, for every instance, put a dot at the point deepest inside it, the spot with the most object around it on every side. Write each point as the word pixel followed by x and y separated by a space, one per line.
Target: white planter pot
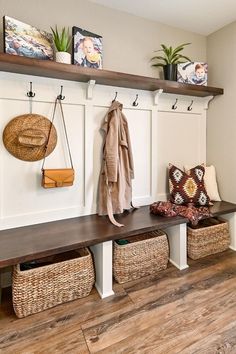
pixel 63 57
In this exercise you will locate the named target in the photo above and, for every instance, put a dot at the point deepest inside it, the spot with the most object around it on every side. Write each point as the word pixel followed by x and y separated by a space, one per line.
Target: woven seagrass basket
pixel 145 254
pixel 211 236
pixel 56 280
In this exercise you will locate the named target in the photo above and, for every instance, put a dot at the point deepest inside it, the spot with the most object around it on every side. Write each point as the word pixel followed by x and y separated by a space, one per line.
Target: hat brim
pixel 24 122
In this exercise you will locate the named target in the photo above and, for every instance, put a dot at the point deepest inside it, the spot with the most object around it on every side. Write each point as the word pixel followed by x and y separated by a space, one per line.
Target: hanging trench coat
pixel 117 171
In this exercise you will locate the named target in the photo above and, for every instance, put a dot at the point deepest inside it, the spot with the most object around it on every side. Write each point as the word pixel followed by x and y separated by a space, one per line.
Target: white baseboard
pixel 232 248
pixel 182 267
pixel 103 295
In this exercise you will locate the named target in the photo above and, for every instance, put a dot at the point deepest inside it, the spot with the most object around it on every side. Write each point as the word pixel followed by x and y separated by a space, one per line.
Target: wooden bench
pixel 31 242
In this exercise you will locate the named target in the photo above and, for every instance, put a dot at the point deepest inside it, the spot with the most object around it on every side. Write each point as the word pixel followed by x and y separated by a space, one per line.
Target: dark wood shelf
pixel 47 68
pixel 41 240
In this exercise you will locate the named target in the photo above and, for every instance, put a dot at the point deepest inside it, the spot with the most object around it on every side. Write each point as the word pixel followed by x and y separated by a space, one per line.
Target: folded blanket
pixel 192 213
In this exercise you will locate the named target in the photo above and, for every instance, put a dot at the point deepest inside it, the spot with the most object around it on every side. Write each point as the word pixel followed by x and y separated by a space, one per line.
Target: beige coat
pixel 115 187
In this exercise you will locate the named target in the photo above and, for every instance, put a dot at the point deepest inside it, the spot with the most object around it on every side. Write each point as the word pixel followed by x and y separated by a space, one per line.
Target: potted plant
pixel 62 41
pixel 169 60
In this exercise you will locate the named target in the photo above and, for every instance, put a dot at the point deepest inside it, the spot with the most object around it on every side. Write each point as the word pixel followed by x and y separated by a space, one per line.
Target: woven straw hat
pixel 26 136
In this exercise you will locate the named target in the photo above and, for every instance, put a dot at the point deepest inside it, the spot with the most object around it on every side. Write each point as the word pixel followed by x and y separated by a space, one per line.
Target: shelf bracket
pixel 157 95
pixel 90 88
pixel 207 100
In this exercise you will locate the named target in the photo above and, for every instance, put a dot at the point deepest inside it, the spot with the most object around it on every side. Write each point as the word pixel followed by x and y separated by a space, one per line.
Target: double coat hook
pixel 190 106
pixel 30 93
pixel 174 106
pixel 115 97
pixel 135 103
pixel 60 97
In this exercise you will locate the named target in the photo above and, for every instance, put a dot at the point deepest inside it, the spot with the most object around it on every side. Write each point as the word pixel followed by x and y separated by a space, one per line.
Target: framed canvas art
pixel 192 73
pixel 87 48
pixel 24 40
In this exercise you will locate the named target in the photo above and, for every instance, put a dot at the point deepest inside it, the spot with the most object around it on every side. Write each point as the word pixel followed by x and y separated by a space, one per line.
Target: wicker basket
pixel 209 237
pixel 145 254
pixel 65 277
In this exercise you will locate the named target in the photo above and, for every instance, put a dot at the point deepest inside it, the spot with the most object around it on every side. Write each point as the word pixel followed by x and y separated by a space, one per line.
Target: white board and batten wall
pixel 159 135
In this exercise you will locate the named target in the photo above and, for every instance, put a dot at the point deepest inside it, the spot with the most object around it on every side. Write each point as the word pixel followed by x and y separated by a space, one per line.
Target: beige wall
pixel 129 41
pixel 221 122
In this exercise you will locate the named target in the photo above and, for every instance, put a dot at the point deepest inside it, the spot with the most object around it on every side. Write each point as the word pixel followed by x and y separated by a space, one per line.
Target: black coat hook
pixel 190 106
pixel 175 104
pixel 60 97
pixel 30 93
pixel 135 103
pixel 115 97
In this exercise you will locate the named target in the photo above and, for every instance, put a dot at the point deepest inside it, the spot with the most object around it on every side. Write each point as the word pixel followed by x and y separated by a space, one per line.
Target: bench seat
pixel 27 243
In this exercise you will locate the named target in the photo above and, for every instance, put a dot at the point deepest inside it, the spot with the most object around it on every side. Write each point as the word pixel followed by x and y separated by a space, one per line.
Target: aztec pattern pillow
pixel 209 181
pixel 187 188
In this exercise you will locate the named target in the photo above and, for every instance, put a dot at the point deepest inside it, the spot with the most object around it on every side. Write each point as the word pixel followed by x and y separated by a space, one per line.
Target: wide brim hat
pixel 30 137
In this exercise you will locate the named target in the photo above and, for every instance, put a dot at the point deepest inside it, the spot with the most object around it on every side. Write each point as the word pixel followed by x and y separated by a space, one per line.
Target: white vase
pixel 63 57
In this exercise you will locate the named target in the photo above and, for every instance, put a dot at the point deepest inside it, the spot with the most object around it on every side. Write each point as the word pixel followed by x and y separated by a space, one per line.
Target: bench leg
pixel 102 253
pixel 231 218
pixel 177 236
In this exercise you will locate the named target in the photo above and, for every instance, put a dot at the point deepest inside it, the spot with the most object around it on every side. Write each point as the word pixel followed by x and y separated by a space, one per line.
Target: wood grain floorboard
pixel 224 341
pixel 173 312
pixel 189 295
pixel 153 287
pixel 171 340
pixel 167 330
pixel 174 287
pixel 13 330
pixel 55 341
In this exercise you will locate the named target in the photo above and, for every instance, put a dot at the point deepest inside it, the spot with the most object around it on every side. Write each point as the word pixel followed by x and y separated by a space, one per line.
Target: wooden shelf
pixel 40 240
pixel 47 68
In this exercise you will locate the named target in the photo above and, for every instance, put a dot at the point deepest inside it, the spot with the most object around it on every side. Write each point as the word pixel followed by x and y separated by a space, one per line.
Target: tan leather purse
pixel 61 177
pixel 58 177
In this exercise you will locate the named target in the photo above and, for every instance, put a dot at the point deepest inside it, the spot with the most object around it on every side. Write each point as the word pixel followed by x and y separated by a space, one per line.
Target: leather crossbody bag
pixel 58 177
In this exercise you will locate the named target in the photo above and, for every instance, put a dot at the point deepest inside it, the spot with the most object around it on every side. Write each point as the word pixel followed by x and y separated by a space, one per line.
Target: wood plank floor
pixel 190 311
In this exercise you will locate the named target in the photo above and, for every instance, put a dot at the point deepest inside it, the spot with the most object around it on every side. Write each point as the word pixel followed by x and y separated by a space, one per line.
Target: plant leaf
pixel 62 40
pixel 170 55
pixel 159 64
pixel 157 57
pixel 180 47
pixel 187 58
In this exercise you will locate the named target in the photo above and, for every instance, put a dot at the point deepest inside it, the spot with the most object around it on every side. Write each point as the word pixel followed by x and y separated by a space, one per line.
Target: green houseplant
pixel 169 59
pixel 62 41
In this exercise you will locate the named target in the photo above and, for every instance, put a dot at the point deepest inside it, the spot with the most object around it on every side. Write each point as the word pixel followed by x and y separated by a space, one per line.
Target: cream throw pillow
pixel 210 182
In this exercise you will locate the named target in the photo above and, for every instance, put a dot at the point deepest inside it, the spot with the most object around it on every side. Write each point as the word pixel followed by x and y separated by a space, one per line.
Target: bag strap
pixel 66 135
